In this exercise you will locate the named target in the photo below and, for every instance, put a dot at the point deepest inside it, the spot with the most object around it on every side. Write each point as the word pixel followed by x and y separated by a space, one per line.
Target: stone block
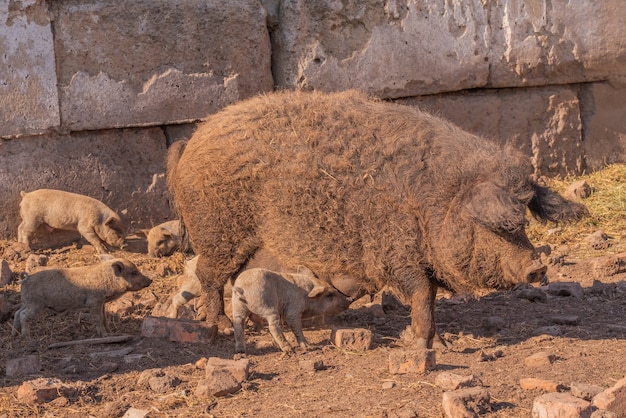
pixel 29 103
pixel 560 405
pixel 43 390
pixel 540 359
pixel 585 391
pixel 23 365
pixel 531 383
pixel 613 399
pixel 539 43
pixel 392 51
pixel 466 403
pixel 356 339
pixel 125 169
pixel 239 369
pixel 572 289
pixel 451 381
pixel 178 330
pixel 181 62
pixel 411 361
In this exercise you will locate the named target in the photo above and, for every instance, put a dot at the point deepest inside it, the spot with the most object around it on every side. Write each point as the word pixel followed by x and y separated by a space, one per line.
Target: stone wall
pixel 92 92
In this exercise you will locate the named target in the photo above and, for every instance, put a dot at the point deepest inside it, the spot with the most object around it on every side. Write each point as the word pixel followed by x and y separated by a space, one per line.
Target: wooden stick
pixel 102 340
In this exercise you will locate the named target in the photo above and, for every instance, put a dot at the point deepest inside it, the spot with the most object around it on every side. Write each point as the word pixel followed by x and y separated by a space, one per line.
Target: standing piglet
pixel 95 221
pixel 89 287
pixel 290 296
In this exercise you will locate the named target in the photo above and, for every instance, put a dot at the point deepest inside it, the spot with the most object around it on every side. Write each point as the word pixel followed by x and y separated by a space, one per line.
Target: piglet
pixel 189 288
pixel 272 295
pixel 77 288
pixel 163 239
pixel 95 221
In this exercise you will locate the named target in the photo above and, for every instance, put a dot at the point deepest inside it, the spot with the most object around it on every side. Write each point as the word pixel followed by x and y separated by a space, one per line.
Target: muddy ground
pixel 350 384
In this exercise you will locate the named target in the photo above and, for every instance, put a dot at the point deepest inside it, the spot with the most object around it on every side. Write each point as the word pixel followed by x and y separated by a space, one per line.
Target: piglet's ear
pixel 316 291
pixel 495 209
pixel 111 221
pixel 118 268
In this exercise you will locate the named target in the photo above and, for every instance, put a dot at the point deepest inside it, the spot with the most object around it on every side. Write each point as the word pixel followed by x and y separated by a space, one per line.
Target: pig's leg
pixel 178 300
pixel 273 321
pixel 101 320
pixel 213 280
pixel 239 317
pixel 295 323
pixel 26 313
pixel 25 230
pixel 17 322
pixel 90 235
pixel 423 312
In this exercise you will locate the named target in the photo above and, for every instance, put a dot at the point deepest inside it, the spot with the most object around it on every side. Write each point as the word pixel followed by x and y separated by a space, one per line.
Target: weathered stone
pixel 311 365
pixel 34 262
pixel 29 103
pixel 598 240
pixel 532 294
pixel 184 61
pixel 605 123
pixel 532 383
pixel 23 365
pixel 328 46
pixel 125 169
pixel 572 289
pixel 608 266
pixel 552 330
pixel 411 361
pixel 544 123
pixel 613 399
pixel 451 381
pixel 560 405
pixel 564 319
pixel 357 339
pixel 540 359
pixel 466 403
pixel 136 413
pixel 5 273
pixel 221 383
pixel 43 390
pixel 585 391
pixel 598 413
pixel 239 369
pixel 180 330
pixel 162 384
pixel 564 42
pixel 578 190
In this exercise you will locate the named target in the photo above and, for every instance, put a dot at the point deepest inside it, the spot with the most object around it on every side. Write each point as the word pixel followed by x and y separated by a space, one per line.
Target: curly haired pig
pixel 95 221
pixel 344 184
pixel 273 296
pixel 89 287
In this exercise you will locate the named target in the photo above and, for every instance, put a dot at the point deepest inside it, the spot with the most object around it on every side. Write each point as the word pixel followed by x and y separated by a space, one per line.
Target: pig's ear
pixel 111 221
pixel 118 268
pixel 547 205
pixel 495 209
pixel 316 291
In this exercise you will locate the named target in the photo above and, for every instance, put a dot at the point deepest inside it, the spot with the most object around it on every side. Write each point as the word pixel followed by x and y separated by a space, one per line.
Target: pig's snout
pixel 536 272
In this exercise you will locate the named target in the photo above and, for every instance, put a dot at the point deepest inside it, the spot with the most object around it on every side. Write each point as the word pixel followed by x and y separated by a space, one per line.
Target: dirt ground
pixel 349 384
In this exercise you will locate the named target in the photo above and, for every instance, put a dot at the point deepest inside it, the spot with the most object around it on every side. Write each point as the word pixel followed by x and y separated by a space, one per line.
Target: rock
pixel 5 273
pixel 540 359
pixel 179 330
pixel 613 399
pixel 598 240
pixel 23 365
pixel 584 391
pixel 531 383
pixel 136 413
pixel 494 323
pixel 532 294
pixel 43 390
pixel 162 384
pixel 388 385
pixel 221 384
pixel 573 289
pixel 311 365
pixel 451 381
pixel 560 405
pixel 578 190
pixel 551 330
pixel 609 266
pixel 411 361
pixel 239 369
pixel 466 403
pixel 485 356
pixel 356 339
pixel 34 262
pixel 563 319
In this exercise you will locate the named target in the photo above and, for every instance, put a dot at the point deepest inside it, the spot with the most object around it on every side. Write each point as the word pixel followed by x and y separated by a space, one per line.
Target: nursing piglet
pixel 272 295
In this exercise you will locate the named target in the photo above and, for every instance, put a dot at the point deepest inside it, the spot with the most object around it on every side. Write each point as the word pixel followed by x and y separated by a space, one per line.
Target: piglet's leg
pixel 423 313
pixel 274 326
pixel 101 324
pixel 25 230
pixel 295 323
pixel 90 235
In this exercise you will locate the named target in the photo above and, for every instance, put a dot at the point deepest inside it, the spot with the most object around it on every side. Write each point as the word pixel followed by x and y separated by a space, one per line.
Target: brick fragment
pixel 585 391
pixel 531 383
pixel 540 359
pixel 613 399
pixel 451 381
pixel 239 369
pixel 356 339
pixel 43 390
pixel 466 403
pixel 411 361
pixel 560 405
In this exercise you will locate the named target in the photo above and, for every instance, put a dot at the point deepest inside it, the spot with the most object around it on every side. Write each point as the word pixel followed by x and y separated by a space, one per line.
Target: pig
pixel 347 185
pixel 163 239
pixel 88 287
pixel 189 288
pixel 57 209
pixel 273 296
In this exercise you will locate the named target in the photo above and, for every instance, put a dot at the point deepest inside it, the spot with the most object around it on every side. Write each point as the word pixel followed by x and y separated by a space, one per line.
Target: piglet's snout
pixel 536 272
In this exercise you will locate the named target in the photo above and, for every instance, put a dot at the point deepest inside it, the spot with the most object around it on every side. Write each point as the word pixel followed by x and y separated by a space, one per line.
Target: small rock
pixel 311 365
pixel 411 361
pixel 494 323
pixel 466 403
pixel 613 399
pixel 573 289
pixel 136 413
pixel 598 240
pixel 531 383
pixel 584 391
pixel 43 390
pixel 357 339
pixel 451 381
pixel 553 405
pixel 578 190
pixel 598 413
pixel 540 359
pixel 551 330
pixel 221 383
pixel 239 369
pixel 388 385
pixel 146 375
pixel 34 262
pixel 484 356
pixel 108 367
pixel 162 384
pixel 532 294
pixel 609 265
pixel 23 365
pixel 563 319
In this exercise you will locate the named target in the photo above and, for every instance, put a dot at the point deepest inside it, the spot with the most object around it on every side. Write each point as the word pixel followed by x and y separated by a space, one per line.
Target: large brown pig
pixel 58 209
pixel 89 287
pixel 349 186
